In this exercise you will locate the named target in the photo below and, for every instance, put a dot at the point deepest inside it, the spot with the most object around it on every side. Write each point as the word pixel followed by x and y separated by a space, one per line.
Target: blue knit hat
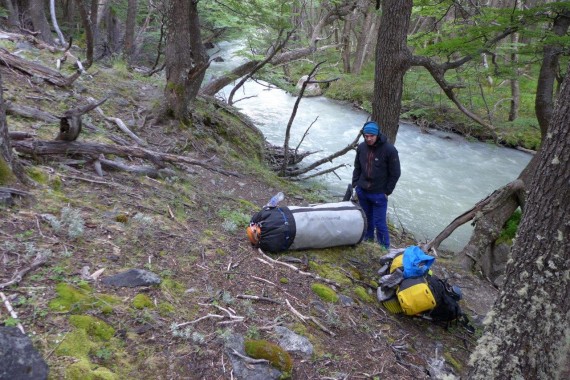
pixel 370 128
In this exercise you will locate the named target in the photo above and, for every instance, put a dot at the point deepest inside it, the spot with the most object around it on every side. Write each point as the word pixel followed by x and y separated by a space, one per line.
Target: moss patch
pixel 172 286
pixel 80 298
pixel 6 175
pixel 325 292
pixel 330 272
pixel 95 328
pixel 363 294
pixel 75 344
pixel 142 301
pixel 278 357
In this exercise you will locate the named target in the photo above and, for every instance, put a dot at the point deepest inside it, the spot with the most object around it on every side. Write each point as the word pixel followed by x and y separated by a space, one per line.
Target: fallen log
pixel 36 70
pixel 44 148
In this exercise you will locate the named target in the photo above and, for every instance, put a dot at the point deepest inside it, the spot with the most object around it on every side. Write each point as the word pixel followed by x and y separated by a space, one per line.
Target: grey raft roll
pixel 277 229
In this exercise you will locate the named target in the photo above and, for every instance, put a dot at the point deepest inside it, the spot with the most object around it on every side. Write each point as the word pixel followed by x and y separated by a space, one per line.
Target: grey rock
pixel 244 370
pixel 6 199
pixel 293 342
pixel 345 301
pixel 132 278
pixel 20 360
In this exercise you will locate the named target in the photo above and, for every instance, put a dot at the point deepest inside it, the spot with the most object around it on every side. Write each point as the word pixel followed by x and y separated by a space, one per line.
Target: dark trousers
pixel 375 206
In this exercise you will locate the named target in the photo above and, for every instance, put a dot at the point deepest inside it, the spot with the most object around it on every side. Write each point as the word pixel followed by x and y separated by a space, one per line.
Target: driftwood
pixel 36 70
pixel 43 148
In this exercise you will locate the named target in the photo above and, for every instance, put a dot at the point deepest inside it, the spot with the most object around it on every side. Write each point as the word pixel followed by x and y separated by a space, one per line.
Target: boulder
pixel 132 278
pixel 20 360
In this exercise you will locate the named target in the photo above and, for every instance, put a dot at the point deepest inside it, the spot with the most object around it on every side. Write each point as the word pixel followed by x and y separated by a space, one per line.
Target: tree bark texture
pixel 39 20
pixel 186 59
pixel 128 47
pixel 527 331
pixel 550 60
pixel 89 27
pixel 8 163
pixel 392 62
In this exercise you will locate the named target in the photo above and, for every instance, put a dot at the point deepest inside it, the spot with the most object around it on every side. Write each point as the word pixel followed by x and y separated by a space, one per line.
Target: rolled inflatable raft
pixel 277 229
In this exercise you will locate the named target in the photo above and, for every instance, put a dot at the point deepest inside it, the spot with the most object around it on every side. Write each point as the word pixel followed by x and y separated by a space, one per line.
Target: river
pixel 443 174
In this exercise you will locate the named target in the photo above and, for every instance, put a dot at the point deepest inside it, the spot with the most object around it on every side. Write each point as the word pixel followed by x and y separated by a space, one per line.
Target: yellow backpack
pixel 415 296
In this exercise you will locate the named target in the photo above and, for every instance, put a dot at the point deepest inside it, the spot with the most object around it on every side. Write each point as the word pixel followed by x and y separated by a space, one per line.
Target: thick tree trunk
pixel 9 165
pixel 41 25
pixel 392 62
pixel 526 336
pixel 13 19
pixel 186 59
pixel 547 75
pixel 128 47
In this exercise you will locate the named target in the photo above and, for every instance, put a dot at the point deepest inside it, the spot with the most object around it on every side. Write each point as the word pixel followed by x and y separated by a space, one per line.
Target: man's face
pixel 370 139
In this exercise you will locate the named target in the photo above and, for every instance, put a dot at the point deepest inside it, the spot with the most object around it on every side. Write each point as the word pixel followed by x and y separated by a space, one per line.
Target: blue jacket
pixel 376 167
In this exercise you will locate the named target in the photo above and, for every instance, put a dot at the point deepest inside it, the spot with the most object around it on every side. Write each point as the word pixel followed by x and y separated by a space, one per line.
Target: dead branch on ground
pixel 44 148
pixel 304 318
pixel 33 69
pixel 38 261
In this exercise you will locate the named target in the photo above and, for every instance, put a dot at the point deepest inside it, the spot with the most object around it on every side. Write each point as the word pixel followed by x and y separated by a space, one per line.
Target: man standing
pixel 376 171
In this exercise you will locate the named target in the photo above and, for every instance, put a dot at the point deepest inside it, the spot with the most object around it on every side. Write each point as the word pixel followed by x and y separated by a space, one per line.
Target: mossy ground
pixel 188 229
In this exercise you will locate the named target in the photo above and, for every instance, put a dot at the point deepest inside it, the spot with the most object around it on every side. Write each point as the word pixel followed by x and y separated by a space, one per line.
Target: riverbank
pixel 425 105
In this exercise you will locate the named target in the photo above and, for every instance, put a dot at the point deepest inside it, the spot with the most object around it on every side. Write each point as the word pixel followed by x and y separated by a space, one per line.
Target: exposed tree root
pixel 43 148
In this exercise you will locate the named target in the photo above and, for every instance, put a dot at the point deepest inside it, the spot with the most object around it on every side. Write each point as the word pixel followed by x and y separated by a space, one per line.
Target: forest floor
pixel 188 229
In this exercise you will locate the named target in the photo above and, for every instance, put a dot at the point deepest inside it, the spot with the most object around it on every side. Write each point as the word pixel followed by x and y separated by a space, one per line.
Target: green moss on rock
pixel 142 301
pixel 324 292
pixel 95 328
pixel 284 280
pixel 278 357
pixel 76 344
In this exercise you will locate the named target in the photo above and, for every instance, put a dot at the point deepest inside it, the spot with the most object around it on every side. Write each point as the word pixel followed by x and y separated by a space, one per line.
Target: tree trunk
pixel 128 48
pixel 9 165
pixel 547 75
pixel 88 26
pixel 364 40
pixel 346 44
pixel 515 87
pixel 392 62
pixel 13 19
pixel 41 25
pixel 527 336
pixel 186 59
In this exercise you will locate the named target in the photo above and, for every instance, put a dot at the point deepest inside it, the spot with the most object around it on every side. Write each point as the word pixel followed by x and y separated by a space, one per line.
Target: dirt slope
pixel 188 228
